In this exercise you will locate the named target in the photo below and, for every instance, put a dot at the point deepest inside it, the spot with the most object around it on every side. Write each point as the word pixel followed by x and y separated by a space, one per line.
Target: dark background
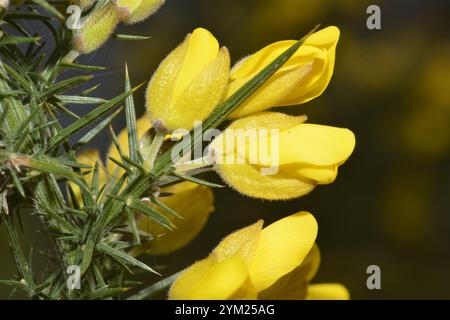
pixel 390 203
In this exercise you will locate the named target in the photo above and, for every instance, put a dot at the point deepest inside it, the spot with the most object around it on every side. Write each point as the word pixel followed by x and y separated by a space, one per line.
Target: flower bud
pixel 303 155
pixel 126 7
pixel 302 78
pixel 134 11
pixel 96 29
pixel 83 4
pixel 190 82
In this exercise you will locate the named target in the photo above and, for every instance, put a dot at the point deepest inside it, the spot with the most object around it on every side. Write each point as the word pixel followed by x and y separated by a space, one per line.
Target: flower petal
pixel 209 280
pixel 293 286
pixel 242 243
pixel 202 49
pixel 318 174
pixel 302 78
pixel 144 10
pixel 160 90
pixel 327 291
pixel 201 95
pixel 325 38
pixel 282 247
pixel 315 144
pixel 190 82
pixel 249 180
pixel 277 89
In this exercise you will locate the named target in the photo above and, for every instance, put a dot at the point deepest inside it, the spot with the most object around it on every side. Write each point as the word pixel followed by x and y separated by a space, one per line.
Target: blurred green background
pixel 390 204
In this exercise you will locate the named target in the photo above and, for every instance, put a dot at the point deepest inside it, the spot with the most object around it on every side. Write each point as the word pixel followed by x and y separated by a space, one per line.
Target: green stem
pixel 155 288
pixel 70 57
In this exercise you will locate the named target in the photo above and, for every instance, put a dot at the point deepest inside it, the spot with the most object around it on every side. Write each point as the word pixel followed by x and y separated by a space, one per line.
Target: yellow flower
pixel 133 11
pixel 96 29
pixel 306 155
pixel 276 262
pixel 302 78
pixel 193 203
pixel 190 82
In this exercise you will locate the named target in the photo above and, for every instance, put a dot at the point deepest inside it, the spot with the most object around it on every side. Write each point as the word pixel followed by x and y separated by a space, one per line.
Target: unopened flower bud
pixel 190 82
pixel 83 4
pixel 96 29
pixel 134 11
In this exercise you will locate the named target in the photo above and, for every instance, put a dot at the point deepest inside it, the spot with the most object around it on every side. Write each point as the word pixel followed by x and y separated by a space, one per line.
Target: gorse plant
pixel 101 217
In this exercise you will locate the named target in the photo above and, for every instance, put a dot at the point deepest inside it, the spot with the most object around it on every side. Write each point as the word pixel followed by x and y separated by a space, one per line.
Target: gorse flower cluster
pixel 137 200
pixel 275 262
pixel 193 78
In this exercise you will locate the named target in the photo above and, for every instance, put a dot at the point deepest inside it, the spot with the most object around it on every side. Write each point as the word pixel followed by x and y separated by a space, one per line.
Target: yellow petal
pixel 282 247
pixel 240 243
pixel 272 92
pixel 252 65
pixel 201 96
pixel 190 82
pixel 318 174
pixel 161 87
pixel 316 145
pixel 308 152
pixel 248 178
pixel 327 291
pixel 202 49
pixel 303 77
pixel 96 29
pixel 288 287
pixel 145 9
pixel 311 263
pixel 293 285
pixel 210 280
pixel 200 200
pixel 325 38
